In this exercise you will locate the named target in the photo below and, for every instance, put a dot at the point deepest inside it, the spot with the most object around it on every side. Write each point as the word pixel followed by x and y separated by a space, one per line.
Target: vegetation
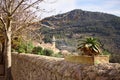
pixel 40 51
pixel 47 52
pixel 90 46
pixel 58 55
pixel 105 52
pixel 25 48
pixel 37 50
pixel 21 46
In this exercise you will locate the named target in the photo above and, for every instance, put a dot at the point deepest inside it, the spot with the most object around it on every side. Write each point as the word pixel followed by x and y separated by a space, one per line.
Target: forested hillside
pixel 78 24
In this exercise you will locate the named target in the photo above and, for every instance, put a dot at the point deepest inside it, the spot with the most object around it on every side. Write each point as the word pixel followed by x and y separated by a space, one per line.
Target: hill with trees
pixel 78 24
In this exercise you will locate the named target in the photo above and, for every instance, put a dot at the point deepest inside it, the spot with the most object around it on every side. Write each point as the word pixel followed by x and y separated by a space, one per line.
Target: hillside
pixel 77 24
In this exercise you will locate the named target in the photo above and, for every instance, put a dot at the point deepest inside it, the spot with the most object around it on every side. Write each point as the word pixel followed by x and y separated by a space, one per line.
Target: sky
pixel 53 7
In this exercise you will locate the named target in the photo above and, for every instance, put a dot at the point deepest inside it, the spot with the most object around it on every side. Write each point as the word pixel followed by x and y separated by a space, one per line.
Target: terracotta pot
pixel 83 59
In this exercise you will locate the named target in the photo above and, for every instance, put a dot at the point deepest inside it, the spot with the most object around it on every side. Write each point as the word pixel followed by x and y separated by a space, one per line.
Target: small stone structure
pixel 84 59
pixel 35 67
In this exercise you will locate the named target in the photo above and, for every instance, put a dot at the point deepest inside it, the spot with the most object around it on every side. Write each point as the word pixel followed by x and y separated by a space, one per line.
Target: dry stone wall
pixel 35 67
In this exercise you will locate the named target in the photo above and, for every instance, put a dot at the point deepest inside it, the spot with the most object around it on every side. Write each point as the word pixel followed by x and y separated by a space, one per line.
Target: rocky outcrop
pixel 35 67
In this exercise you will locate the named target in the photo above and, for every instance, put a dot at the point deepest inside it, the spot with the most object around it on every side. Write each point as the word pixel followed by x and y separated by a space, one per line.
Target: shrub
pixel 29 47
pixel 24 47
pixel 105 52
pixel 21 48
pixel 37 50
pixel 59 55
pixel 16 41
pixel 47 52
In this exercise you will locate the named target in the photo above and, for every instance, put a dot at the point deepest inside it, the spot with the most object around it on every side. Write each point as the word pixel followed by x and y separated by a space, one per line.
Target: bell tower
pixel 53 42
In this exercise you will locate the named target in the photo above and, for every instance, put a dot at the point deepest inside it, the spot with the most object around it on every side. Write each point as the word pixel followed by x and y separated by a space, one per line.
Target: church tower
pixel 53 42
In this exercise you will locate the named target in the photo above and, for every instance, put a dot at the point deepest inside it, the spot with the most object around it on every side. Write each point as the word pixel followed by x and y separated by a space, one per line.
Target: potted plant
pixel 90 52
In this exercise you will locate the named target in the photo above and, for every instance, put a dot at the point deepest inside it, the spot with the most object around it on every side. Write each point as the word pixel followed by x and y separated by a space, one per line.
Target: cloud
pixel 62 6
pixel 107 6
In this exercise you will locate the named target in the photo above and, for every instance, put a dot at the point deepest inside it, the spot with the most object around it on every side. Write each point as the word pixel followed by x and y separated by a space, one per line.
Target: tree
pixel 90 46
pixel 9 19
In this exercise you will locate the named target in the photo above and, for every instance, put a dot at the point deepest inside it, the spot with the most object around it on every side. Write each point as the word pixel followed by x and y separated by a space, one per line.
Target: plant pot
pixel 1 69
pixel 83 59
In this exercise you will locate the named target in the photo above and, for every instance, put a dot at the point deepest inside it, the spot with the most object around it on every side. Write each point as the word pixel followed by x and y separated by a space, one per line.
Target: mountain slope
pixel 77 24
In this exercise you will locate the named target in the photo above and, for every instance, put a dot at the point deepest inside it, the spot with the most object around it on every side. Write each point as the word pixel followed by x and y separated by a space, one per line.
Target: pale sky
pixel 61 6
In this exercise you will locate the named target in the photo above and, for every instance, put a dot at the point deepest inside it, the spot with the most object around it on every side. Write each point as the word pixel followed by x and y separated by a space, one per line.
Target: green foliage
pixel 58 55
pixel 47 52
pixel 106 52
pixel 21 50
pixel 17 41
pixel 29 47
pixel 37 50
pixel 21 46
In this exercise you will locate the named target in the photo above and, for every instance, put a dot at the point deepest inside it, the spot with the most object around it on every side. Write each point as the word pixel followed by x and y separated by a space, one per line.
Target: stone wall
pixel 35 67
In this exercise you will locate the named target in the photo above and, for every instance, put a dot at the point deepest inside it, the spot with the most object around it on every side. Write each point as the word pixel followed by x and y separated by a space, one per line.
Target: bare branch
pixel 0 1
pixel 51 2
pixel 17 7
pixel 3 8
pixel 9 5
pixel 29 15
pixel 30 5
pixel 3 28
pixel 5 2
pixel 3 22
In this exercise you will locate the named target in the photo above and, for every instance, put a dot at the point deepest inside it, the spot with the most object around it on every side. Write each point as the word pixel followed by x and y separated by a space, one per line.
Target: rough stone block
pixel 87 59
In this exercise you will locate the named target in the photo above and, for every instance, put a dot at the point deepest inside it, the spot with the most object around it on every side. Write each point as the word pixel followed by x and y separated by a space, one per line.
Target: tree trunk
pixel 8 57
pixel 2 52
pixel 7 52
